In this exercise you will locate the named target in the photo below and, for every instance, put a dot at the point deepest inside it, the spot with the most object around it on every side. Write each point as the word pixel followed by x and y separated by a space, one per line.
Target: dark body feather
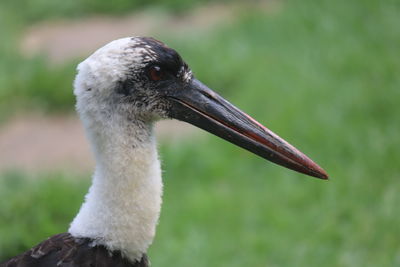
pixel 65 250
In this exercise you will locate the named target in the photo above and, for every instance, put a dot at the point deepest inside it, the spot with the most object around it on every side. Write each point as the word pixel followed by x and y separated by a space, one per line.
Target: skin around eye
pixel 156 73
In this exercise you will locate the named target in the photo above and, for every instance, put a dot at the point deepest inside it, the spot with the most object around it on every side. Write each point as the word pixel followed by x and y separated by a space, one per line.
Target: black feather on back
pixel 65 250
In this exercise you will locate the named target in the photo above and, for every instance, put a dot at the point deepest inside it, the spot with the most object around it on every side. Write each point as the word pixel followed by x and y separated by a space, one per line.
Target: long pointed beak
pixel 202 107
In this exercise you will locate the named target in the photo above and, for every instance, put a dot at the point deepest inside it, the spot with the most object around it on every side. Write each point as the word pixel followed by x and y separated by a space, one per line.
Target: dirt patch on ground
pixel 36 143
pixel 65 39
pixel 62 40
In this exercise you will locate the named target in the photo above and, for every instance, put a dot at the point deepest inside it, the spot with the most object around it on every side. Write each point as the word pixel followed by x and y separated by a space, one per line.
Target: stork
pixel 122 90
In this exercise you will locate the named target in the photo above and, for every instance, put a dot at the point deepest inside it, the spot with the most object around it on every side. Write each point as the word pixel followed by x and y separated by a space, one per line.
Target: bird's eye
pixel 156 73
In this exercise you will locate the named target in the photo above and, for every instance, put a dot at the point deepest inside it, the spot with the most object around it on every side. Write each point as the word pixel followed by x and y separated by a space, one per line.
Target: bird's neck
pixel 122 207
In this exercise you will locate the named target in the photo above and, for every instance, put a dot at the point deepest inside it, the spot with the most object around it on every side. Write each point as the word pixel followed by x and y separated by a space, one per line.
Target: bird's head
pixel 141 79
pixel 130 76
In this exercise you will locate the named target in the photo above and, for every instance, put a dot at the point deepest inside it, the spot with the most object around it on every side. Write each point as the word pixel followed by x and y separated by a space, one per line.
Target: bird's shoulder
pixel 64 250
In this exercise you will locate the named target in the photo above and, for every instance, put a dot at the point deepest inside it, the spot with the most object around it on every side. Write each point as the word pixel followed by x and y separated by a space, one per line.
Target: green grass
pixel 33 209
pixel 324 75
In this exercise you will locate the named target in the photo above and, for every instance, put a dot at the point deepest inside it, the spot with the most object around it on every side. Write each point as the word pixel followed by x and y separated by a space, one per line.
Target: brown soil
pixel 37 144
pixel 61 40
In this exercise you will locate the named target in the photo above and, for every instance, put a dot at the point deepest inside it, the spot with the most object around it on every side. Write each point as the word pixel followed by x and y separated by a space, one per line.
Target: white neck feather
pixel 122 207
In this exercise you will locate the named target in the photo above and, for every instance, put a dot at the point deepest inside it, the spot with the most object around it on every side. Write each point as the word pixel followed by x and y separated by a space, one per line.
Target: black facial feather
pixel 139 86
pixel 164 57
pixel 125 87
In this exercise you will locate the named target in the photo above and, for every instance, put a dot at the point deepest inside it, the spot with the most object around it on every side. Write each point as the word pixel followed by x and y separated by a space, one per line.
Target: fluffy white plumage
pixel 122 207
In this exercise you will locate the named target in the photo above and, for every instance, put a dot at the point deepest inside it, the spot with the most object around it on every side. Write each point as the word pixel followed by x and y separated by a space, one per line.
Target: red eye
pixel 155 73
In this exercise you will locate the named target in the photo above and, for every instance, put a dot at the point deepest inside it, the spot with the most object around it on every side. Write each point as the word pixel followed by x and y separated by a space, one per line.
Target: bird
pixel 121 90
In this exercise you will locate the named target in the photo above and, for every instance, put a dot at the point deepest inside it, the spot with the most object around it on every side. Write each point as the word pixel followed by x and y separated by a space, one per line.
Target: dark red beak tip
pixel 324 176
pixel 309 167
pixel 320 173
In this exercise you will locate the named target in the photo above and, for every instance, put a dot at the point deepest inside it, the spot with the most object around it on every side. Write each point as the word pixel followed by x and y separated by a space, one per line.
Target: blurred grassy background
pixel 322 74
